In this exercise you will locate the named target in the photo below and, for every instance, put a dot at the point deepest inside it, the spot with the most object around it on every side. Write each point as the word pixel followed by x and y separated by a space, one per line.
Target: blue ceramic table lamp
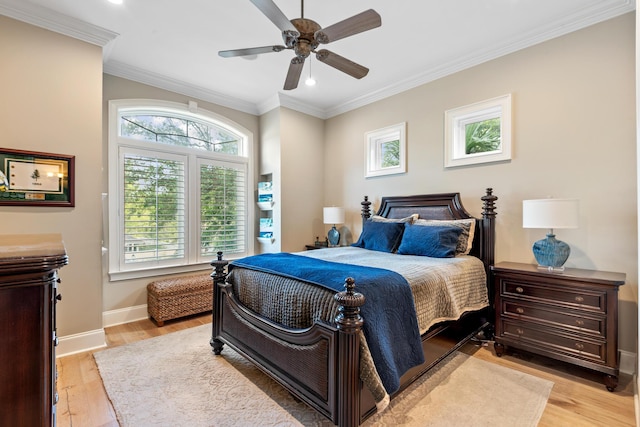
pixel 550 253
pixel 333 215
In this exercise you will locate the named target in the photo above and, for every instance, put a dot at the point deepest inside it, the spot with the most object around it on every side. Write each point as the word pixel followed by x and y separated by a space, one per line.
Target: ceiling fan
pixel 303 36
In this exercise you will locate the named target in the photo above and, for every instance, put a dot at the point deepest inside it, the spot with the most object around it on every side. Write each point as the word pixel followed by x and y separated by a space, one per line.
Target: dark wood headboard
pixel 444 206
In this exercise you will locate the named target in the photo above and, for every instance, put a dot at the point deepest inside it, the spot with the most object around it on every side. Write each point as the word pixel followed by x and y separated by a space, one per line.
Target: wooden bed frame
pixel 320 365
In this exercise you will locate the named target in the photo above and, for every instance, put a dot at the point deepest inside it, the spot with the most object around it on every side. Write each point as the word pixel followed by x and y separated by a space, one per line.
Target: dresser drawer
pixel 569 297
pixel 555 341
pixel 570 320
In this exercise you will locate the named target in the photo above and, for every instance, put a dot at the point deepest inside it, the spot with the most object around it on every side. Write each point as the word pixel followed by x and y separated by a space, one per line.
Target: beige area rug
pixel 175 380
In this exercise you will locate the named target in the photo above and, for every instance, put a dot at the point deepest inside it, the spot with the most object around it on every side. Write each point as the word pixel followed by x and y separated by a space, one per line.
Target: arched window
pixel 178 188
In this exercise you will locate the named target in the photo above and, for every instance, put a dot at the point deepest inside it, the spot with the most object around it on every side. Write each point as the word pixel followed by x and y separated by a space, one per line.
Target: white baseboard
pixel 90 340
pixel 77 343
pixel 124 315
pixel 628 362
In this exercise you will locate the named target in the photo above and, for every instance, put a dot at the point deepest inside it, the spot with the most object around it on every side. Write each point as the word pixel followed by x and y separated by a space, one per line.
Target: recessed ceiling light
pixel 116 1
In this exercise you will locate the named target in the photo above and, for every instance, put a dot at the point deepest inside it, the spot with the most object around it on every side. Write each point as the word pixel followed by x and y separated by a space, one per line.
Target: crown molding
pixel 57 22
pixel 302 107
pixel 120 69
pixel 587 17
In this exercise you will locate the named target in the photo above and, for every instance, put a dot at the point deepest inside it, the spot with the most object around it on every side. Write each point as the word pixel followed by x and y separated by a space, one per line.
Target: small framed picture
pixel 385 151
pixel 478 133
pixel 31 178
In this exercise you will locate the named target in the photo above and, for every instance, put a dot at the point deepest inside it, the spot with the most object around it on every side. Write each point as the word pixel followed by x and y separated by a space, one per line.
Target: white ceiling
pixel 173 44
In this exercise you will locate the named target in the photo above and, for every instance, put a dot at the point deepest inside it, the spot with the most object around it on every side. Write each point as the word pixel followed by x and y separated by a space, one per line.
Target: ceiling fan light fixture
pixel 310 80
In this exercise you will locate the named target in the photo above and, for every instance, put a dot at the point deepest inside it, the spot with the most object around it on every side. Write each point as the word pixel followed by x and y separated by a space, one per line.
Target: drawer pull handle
pixel 520 331
pixel 519 290
pixel 579 299
pixel 520 310
pixel 580 322
pixel 579 346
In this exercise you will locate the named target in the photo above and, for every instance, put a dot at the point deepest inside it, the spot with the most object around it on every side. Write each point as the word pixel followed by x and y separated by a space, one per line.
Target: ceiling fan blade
pixel 271 11
pixel 293 75
pixel 359 23
pixel 250 51
pixel 341 63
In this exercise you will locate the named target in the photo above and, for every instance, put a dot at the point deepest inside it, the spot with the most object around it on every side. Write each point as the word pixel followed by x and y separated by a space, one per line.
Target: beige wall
pixel 302 139
pixel 573 136
pixel 50 92
pixel 129 293
pixel 292 152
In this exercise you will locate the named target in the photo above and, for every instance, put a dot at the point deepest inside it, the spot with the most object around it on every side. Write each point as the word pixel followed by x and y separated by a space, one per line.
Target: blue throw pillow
pixel 380 236
pixel 435 242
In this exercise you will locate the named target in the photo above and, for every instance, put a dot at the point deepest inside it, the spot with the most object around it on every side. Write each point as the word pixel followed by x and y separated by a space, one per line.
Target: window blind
pixel 154 209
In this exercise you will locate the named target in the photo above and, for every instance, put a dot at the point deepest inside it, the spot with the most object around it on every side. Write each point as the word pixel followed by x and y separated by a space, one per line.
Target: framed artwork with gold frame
pixel 32 178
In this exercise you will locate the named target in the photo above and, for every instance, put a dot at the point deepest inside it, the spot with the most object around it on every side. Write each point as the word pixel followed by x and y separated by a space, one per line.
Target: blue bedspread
pixel 390 323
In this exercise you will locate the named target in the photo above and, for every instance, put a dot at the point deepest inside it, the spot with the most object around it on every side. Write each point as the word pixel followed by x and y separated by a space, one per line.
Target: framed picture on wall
pixel 385 151
pixel 478 133
pixel 31 178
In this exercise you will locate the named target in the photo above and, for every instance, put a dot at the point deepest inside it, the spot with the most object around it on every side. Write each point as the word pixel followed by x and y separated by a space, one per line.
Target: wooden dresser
pixel 570 316
pixel 28 295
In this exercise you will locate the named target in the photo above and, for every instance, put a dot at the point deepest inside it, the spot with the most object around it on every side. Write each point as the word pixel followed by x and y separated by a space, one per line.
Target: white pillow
pixel 409 219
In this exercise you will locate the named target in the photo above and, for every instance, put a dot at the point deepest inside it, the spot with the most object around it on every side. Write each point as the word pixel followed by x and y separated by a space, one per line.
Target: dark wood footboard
pixel 321 365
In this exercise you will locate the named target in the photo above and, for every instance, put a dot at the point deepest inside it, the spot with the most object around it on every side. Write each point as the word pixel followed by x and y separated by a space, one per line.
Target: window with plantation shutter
pixel 178 189
pixel 222 206
pixel 154 208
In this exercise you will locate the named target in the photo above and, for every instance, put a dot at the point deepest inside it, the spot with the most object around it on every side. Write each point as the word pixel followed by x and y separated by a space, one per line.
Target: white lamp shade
pixel 550 213
pixel 333 215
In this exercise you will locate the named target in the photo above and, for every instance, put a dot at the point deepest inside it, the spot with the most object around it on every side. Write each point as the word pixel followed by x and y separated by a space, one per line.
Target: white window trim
pixel 374 140
pixel 455 130
pixel 111 234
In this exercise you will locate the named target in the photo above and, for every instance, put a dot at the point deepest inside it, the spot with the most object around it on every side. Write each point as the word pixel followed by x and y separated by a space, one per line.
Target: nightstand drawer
pixel 563 295
pixel 594 351
pixel 559 317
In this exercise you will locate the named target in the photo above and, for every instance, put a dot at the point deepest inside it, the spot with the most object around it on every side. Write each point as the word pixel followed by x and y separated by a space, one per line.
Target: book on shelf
pixel 265 191
pixel 266 224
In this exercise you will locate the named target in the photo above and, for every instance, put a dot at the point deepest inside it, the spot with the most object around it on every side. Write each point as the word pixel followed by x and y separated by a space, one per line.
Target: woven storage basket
pixel 179 296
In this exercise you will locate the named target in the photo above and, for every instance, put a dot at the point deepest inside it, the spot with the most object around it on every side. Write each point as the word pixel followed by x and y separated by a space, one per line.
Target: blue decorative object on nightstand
pixel 551 252
pixel 334 236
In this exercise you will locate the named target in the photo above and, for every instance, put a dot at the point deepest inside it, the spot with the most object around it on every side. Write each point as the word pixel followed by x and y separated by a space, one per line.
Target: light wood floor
pixel 578 397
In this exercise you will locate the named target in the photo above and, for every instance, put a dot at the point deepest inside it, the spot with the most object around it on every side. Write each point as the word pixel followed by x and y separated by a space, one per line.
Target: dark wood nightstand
pixel 570 316
pixel 314 246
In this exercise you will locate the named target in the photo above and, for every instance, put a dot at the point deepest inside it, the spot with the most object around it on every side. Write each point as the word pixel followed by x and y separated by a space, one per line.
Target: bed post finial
pixel 488 207
pixel 366 212
pixel 349 323
pixel 219 265
pixel 349 319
